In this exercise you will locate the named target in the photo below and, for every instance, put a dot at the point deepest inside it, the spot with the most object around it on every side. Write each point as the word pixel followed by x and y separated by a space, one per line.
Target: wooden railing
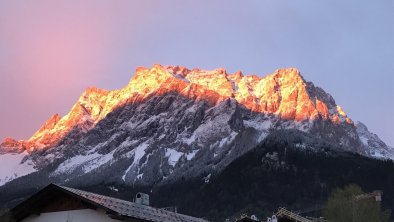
pixel 282 212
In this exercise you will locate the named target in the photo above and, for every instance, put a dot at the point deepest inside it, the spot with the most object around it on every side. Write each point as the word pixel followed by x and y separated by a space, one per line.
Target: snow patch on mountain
pixel 14 166
pixel 190 140
pixel 262 125
pixel 191 155
pixel 373 145
pixel 173 156
pixel 86 162
pixel 138 153
pixel 228 140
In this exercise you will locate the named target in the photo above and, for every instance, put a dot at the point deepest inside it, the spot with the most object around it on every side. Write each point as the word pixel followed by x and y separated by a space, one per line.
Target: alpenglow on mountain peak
pixel 284 93
pixel 171 121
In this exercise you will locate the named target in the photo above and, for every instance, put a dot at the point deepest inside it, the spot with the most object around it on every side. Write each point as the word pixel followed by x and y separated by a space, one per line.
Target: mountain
pixel 171 123
pixel 277 173
pixel 375 146
pixel 289 168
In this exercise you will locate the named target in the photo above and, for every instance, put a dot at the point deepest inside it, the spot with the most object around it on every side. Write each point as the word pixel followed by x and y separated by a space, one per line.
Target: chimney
pixel 142 198
pixel 378 195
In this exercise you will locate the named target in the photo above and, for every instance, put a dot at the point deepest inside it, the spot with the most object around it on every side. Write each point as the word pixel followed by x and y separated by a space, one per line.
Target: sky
pixel 50 51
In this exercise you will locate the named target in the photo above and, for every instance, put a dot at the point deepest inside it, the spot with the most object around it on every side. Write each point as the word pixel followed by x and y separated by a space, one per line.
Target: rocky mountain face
pixel 171 123
pixel 374 146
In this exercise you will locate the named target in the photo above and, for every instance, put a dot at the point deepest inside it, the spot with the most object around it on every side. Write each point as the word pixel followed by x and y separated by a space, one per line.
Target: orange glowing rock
pixel 11 145
pixel 349 121
pixel 341 112
pixel 283 93
pixel 335 119
pixel 322 109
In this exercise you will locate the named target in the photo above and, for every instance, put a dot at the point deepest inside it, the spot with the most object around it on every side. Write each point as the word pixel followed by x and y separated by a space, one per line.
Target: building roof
pixel 115 207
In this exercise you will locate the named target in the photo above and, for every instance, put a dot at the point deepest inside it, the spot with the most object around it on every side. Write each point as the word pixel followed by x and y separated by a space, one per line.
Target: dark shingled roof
pixel 116 207
pixel 131 209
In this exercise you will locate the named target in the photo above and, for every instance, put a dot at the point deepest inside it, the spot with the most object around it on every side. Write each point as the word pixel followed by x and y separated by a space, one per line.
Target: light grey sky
pixel 51 51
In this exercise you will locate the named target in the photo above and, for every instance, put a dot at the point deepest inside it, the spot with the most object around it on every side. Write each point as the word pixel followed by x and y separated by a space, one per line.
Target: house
pixel 283 215
pixel 56 203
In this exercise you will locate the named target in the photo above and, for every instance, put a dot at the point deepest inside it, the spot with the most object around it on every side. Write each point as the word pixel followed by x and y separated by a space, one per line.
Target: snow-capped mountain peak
pixel 284 93
pixel 171 121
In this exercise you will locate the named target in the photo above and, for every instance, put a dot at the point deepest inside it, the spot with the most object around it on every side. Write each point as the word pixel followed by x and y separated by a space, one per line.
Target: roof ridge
pixel 70 189
pixel 90 196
